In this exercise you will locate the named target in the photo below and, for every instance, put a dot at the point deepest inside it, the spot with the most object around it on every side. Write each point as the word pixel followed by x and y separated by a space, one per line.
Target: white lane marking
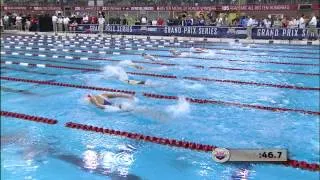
pixel 2 52
pixel 28 54
pixel 42 55
pixel 15 53
pixel 77 50
pixel 28 48
pixel 41 65
pixel 83 58
pixel 65 50
pixel 116 53
pixel 140 49
pixel 24 64
pixel 54 56
pixel 68 57
pixel 89 52
pixel 8 62
pixel 102 52
pixel 53 49
pixel 41 49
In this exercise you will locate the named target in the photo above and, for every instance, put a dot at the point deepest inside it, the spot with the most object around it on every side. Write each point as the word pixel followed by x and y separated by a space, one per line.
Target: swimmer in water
pixel 135 82
pixel 102 101
pixel 175 53
pixel 136 66
pixel 200 50
pixel 148 56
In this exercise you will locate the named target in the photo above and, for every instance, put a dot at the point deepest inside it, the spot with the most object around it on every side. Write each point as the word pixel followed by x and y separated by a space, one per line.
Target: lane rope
pixel 284 86
pixel 167 97
pixel 120 52
pixel 157 63
pixel 181 43
pixel 147 138
pixel 29 117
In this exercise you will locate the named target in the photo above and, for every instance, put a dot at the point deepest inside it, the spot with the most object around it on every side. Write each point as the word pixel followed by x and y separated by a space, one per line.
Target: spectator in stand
pixel 66 21
pixel 160 21
pixel 202 22
pixel 54 23
pixel 249 27
pixel 34 24
pixel 243 21
pixel 85 19
pixel 284 22
pixel 1 24
pixel 267 23
pixel 143 20
pixel 292 23
pixel 19 22
pixel 60 23
pixel 277 23
pixel 302 23
pixel 318 22
pixel 101 21
pixel 73 26
pixel 219 21
pixel 154 22
pixel 189 21
pixel 27 25
pixel 94 20
pixel 313 26
pixel 6 21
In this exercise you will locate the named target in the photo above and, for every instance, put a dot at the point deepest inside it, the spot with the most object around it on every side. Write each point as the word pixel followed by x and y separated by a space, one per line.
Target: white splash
pixel 126 63
pixel 115 72
pixel 181 108
pixel 194 86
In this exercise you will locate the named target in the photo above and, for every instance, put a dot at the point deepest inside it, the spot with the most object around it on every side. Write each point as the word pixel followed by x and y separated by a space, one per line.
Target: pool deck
pixel 218 40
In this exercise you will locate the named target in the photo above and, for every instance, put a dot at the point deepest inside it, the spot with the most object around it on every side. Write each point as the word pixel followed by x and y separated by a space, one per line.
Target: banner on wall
pixel 194 31
pixel 281 33
pixel 253 7
pixel 199 31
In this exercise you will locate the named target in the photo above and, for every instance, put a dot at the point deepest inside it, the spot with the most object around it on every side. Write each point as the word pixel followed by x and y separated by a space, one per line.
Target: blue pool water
pixel 32 150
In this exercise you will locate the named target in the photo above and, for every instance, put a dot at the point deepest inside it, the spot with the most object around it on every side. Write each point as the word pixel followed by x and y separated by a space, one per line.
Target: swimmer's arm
pixel 95 102
pixel 136 66
pixel 117 95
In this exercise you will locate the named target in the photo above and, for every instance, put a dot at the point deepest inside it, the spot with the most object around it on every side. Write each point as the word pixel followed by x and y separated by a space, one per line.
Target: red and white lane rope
pixel 155 63
pixel 166 97
pixel 155 44
pixel 147 138
pixel 121 52
pixel 284 86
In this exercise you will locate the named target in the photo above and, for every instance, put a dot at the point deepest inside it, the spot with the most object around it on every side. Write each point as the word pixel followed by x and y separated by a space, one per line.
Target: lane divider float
pixel 158 96
pixel 147 138
pixel 29 117
pixel 285 86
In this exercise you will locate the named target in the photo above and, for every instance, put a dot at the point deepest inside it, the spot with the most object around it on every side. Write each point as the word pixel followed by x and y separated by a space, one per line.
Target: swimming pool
pixel 238 96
